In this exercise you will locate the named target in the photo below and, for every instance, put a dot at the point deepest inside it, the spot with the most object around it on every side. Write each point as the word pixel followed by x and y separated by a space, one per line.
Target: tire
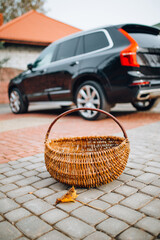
pixel 16 102
pixel 144 105
pixel 90 94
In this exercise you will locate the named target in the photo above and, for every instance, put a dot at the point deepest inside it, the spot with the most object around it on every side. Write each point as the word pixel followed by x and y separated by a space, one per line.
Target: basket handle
pixel 78 109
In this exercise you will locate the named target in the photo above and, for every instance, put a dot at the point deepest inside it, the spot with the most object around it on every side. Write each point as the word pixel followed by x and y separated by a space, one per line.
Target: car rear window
pixel 147 40
pixel 95 41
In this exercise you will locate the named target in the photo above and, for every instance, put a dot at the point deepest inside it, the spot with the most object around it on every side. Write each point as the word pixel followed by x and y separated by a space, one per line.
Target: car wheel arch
pixel 83 79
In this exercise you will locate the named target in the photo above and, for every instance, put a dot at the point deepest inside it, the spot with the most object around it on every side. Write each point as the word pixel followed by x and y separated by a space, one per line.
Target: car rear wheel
pixel 144 105
pixel 90 95
pixel 16 102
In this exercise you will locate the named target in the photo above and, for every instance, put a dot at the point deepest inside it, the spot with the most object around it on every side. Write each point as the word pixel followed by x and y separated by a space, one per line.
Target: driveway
pixel 127 208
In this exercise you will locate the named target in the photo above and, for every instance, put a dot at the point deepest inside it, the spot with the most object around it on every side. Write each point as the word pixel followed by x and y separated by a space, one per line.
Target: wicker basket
pixel 86 161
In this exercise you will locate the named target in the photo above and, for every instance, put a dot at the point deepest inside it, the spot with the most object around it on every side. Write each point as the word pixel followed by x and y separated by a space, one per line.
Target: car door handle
pixel 43 71
pixel 74 63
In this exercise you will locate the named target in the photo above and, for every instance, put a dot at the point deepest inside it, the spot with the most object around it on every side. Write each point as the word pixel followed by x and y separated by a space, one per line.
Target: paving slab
pixel 127 208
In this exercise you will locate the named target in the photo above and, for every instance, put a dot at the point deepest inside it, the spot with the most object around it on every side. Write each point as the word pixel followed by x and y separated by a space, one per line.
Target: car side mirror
pixel 30 66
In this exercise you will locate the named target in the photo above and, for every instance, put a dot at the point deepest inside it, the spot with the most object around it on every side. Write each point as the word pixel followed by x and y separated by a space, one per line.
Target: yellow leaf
pixel 70 196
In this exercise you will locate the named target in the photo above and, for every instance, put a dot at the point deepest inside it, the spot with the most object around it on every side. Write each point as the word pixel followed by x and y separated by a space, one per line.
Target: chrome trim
pixel 150 93
pixel 60 92
pixel 53 89
pixel 89 53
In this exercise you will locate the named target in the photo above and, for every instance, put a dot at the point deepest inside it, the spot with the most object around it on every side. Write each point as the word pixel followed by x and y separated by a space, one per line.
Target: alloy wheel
pixel 88 97
pixel 15 101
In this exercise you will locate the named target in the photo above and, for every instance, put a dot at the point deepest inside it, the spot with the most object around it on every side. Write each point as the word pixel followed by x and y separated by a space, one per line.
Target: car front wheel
pixel 16 102
pixel 90 95
pixel 144 105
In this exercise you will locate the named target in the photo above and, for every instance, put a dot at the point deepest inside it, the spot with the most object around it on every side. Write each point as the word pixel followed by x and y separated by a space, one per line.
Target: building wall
pixel 19 55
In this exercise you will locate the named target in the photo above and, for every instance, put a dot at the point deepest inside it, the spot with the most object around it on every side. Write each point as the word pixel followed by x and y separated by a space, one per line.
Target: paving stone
pixel 152 208
pixel 90 195
pixel 89 215
pixel 1 218
pixel 2 195
pixel 15 172
pixel 149 224
pixel 134 233
pixel 28 181
pixel 136 184
pixel 30 173
pixel 155 170
pixel 123 213
pixel 2 176
pixel 52 199
pixel 26 159
pixel 4 165
pixel 6 169
pixel 11 179
pixel 23 238
pixel 59 187
pixel 112 226
pixel 151 190
pixel 126 190
pixel 37 206
pixel 33 227
pixel 147 178
pixel 34 166
pixel 100 204
pixel 8 231
pixel 110 186
pixel 54 216
pixel 21 165
pixel 8 187
pixel 98 236
pixel 20 191
pixel 25 198
pixel 112 198
pixel 136 200
pixel 42 169
pixel 154 163
pixel 74 228
pixel 125 177
pixel 134 172
pixel 7 205
pixel 44 192
pixel 135 165
pixel 156 183
pixel 44 175
pixel 54 235
pixel 69 207
pixel 17 214
pixel 44 183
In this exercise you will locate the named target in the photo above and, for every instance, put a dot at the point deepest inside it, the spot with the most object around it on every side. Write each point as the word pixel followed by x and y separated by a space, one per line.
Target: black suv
pixel 95 69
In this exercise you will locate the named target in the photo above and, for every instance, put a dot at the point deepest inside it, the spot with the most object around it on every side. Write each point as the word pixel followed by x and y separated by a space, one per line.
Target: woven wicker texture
pixel 86 161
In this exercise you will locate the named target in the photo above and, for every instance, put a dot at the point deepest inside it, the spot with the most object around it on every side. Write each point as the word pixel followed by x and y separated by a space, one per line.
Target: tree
pixel 15 8
pixel 5 59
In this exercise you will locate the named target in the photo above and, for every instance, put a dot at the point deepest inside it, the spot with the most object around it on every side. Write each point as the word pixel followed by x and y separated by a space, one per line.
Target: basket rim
pixel 47 144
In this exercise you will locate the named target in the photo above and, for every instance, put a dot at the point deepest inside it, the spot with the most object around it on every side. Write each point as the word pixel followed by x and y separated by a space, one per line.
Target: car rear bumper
pixel 144 94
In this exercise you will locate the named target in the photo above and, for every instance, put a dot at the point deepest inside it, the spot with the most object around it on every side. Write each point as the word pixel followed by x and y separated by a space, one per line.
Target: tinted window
pixel 80 47
pixel 67 49
pixel 146 40
pixel 95 41
pixel 45 57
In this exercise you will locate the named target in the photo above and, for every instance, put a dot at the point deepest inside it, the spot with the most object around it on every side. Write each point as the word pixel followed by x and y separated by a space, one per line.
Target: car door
pixel 63 69
pixel 36 80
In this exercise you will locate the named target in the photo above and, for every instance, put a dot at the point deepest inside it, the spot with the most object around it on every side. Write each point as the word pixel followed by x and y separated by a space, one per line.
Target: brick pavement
pixel 130 205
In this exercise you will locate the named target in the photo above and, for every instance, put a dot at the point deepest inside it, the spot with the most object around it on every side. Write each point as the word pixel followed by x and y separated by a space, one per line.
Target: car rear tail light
pixel 128 55
pixel 140 83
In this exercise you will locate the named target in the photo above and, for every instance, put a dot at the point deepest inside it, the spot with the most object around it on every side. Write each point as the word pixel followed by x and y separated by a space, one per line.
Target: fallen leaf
pixel 70 196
